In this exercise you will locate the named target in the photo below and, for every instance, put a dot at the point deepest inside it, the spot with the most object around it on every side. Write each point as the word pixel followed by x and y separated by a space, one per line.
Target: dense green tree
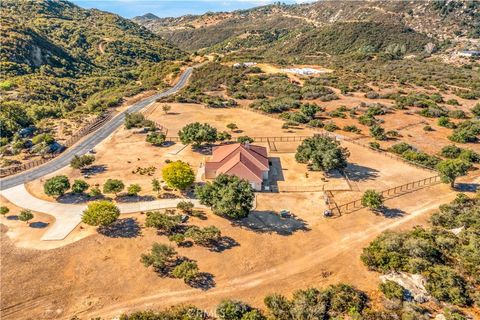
pixel 156 186
pixel 56 186
pixel 79 186
pixel 223 136
pixel 451 169
pixel 227 195
pixel 310 110
pixel 310 303
pixel 244 139
pixel 162 221
pixel 178 175
pixel 205 236
pixel 232 310
pixel 113 186
pixel 4 210
pixel 392 290
pixel 232 126
pixel 156 138
pixel 377 132
pixel 476 110
pixel 185 206
pixel 322 153
pixel 25 215
pixel 278 306
pixel 81 162
pixel 345 298
pixel 451 151
pixel 187 270
pixel 166 108
pixel 197 133
pixel 159 257
pixel 134 120
pixel 372 199
pixel 134 189
pixel 100 213
pixel 445 284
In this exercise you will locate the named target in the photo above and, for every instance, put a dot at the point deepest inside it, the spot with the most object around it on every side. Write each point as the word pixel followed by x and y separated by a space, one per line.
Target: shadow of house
pixel 122 228
pixel 357 173
pixel 271 222
pixel 275 173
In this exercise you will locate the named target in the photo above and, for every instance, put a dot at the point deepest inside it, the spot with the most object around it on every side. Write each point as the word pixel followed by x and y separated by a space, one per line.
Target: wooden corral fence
pixel 387 194
pixel 391 155
pixel 87 129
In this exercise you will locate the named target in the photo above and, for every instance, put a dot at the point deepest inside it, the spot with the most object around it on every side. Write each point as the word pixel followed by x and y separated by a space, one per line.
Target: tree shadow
pixel 271 222
pixel 167 144
pixel 95 169
pixel 203 281
pixel 125 198
pixel 222 244
pixel 122 228
pixel 200 214
pixel 466 187
pixel 12 217
pixel 74 198
pixel 391 212
pixel 38 225
pixel 356 172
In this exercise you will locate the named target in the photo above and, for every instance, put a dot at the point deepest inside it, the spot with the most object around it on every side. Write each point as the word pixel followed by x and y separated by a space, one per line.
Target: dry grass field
pixel 93 274
pixel 101 275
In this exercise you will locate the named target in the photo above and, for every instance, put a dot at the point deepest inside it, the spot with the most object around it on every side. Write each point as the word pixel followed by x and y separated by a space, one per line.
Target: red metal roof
pixel 244 161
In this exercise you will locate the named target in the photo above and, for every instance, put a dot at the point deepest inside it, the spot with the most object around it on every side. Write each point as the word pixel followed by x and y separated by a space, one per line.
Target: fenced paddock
pixel 355 205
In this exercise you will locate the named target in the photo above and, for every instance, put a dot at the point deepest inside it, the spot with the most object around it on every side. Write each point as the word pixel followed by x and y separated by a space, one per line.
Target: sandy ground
pixel 100 275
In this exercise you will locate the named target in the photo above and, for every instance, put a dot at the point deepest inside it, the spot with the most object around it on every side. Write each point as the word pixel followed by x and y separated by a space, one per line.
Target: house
pixel 245 161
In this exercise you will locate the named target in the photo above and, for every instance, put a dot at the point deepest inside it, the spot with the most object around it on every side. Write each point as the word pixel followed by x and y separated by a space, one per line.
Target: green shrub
pixel 392 290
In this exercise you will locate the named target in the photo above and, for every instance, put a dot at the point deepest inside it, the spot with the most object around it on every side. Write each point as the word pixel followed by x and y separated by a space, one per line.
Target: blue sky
pixel 171 8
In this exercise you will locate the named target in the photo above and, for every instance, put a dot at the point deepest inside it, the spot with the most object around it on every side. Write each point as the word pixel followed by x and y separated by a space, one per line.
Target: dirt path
pixel 291 268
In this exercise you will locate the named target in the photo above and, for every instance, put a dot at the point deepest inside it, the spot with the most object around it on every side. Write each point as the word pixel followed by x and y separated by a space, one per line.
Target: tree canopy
pixel 100 213
pixel 451 169
pixel 228 196
pixel 56 186
pixel 322 153
pixel 197 133
pixel 178 175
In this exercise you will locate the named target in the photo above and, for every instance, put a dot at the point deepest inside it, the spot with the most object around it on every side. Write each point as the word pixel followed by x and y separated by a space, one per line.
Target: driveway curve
pixel 91 141
pixel 68 216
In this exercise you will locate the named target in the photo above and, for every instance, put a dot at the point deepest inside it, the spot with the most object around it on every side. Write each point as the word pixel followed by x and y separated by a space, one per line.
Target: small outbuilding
pixel 246 161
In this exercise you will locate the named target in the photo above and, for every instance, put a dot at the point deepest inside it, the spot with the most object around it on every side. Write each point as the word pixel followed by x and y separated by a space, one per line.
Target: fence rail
pixel 391 155
pixel 387 194
pixel 85 130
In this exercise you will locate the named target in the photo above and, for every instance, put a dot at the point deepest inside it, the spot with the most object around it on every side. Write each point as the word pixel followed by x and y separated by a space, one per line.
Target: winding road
pixel 91 141
pixel 68 216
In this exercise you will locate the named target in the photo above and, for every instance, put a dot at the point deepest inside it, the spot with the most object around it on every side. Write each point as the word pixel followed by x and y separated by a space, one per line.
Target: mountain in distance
pixel 55 56
pixel 455 20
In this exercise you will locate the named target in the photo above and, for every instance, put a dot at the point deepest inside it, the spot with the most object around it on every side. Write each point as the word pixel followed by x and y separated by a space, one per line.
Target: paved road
pixel 91 141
